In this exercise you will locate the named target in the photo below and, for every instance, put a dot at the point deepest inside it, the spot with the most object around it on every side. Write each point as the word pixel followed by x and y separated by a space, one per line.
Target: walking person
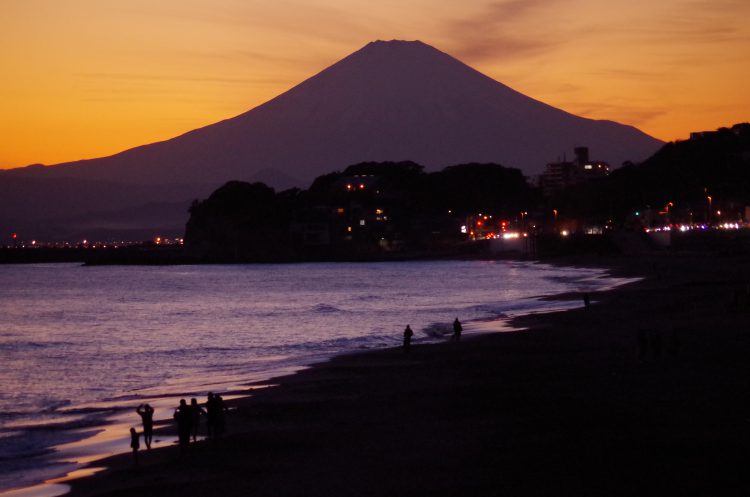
pixel 407 338
pixel 146 412
pixel 457 329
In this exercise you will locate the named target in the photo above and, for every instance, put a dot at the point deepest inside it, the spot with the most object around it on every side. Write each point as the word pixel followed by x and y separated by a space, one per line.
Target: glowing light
pixel 564 233
pixel 463 229
pixel 507 236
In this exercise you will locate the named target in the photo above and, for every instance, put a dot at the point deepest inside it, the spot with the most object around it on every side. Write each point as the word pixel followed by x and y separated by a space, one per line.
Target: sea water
pixel 80 347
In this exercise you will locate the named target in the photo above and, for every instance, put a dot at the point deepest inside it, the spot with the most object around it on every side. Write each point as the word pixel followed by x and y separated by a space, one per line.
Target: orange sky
pixel 88 78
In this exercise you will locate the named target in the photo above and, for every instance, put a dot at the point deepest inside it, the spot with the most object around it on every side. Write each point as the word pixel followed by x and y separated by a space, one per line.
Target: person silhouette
pixel 221 418
pixel 184 419
pixel 146 412
pixel 135 445
pixel 407 338
pixel 195 413
pixel 211 416
pixel 457 329
pixel 586 301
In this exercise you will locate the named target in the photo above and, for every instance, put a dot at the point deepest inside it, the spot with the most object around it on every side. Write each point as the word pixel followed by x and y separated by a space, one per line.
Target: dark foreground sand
pixel 566 408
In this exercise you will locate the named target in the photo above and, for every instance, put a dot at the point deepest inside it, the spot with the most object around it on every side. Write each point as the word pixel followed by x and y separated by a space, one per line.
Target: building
pixel 558 176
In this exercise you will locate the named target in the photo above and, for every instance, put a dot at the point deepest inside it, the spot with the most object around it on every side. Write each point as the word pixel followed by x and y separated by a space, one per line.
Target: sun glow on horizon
pixel 85 78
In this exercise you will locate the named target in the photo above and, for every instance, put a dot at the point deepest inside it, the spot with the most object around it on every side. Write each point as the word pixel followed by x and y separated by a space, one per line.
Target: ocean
pixel 81 347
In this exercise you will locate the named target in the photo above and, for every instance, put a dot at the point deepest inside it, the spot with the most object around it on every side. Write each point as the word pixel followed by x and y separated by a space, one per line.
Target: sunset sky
pixel 88 78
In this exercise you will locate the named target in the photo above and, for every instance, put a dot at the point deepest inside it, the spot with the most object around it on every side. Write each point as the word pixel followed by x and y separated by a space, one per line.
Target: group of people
pixel 409 333
pixel 188 420
pixel 188 416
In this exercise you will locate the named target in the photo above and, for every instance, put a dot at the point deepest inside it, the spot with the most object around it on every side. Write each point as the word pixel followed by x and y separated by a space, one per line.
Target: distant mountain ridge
pixel 388 101
pixel 391 100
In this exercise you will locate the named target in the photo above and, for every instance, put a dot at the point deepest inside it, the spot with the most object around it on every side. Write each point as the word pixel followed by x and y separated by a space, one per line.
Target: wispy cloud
pixel 627 113
pixel 179 78
pixel 503 30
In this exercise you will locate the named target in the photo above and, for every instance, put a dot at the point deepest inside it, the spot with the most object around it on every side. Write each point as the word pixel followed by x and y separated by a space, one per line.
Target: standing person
pixel 195 414
pixel 221 418
pixel 135 445
pixel 407 338
pixel 586 301
pixel 184 419
pixel 457 329
pixel 146 412
pixel 211 416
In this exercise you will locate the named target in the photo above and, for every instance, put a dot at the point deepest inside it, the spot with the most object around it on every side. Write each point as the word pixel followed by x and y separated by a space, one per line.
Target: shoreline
pixel 118 414
pixel 335 384
pixel 110 439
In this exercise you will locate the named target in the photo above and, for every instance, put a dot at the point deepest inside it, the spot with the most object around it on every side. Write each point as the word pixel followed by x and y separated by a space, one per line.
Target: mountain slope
pixel 388 101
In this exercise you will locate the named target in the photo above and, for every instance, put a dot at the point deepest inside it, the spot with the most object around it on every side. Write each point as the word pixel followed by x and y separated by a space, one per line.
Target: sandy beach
pixel 645 392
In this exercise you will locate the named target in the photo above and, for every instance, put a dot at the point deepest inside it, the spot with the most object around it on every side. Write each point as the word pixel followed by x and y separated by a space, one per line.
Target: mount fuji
pixel 390 100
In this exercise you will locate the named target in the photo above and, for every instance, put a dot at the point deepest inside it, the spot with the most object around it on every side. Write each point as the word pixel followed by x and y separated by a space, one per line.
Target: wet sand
pixel 565 407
